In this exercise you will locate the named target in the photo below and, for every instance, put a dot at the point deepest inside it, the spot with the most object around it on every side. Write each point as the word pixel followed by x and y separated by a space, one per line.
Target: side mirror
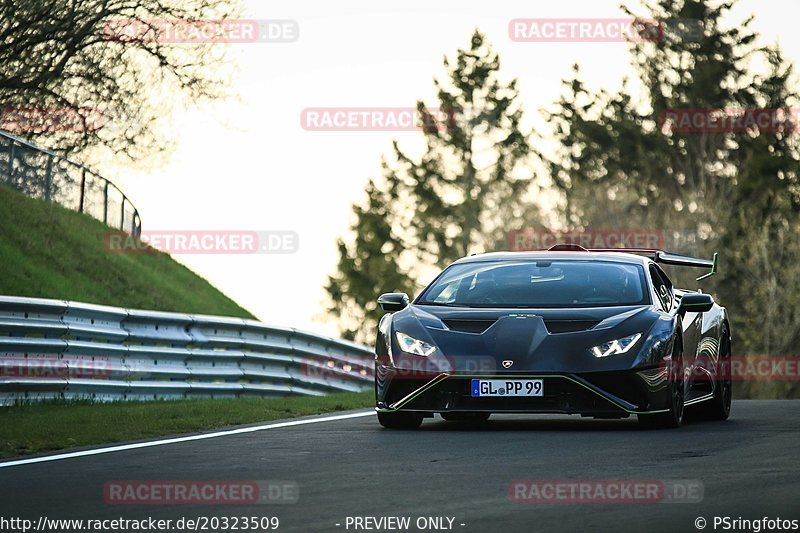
pixel 696 303
pixel 393 301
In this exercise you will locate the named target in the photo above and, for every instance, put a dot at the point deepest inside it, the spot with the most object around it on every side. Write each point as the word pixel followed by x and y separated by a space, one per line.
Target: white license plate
pixel 507 387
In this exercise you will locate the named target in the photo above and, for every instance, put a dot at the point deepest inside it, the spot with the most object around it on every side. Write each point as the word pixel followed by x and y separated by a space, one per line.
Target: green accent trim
pixel 435 381
pixel 713 268
pixel 441 377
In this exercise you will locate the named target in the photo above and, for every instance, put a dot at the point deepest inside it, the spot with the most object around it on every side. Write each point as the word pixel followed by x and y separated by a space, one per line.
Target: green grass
pixel 48 251
pixel 57 425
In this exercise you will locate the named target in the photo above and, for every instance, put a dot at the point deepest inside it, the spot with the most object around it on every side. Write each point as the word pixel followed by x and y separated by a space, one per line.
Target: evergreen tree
pixel 457 198
pixel 736 191
pixel 368 266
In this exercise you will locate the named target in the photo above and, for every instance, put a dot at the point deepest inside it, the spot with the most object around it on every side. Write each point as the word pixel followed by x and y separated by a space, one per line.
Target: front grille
pixel 560 396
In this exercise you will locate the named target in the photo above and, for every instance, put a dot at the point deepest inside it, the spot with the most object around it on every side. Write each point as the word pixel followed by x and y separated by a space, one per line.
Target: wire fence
pixel 43 174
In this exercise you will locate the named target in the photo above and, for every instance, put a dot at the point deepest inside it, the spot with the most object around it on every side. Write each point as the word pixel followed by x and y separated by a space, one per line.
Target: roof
pixel 556 255
pixel 574 252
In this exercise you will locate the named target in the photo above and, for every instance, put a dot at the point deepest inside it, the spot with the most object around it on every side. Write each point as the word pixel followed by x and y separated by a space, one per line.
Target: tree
pixel 617 144
pixel 761 244
pixel 369 265
pixel 71 78
pixel 736 191
pixel 458 197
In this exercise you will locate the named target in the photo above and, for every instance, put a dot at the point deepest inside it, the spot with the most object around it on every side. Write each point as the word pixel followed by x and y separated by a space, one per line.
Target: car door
pixel 691 322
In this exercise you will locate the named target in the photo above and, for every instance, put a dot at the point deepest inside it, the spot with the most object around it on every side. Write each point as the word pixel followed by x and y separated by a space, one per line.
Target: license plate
pixel 507 387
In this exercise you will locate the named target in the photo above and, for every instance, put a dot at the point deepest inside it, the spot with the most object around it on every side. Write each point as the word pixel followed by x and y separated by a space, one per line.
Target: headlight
pixel 414 346
pixel 616 347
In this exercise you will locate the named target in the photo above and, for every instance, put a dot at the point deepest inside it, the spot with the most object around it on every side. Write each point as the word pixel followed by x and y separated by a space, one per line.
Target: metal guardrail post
pixel 82 197
pixel 11 162
pixel 122 214
pixel 105 202
pixel 48 177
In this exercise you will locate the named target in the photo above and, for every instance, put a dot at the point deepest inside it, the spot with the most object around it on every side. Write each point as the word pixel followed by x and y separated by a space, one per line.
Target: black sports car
pixel 599 333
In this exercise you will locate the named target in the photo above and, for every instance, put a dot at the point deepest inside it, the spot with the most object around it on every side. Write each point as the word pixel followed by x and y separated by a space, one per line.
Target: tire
pixel 673 418
pixel 719 407
pixel 466 417
pixel 400 420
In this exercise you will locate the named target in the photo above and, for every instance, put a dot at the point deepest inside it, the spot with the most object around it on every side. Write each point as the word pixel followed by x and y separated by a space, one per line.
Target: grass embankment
pixel 57 425
pixel 47 251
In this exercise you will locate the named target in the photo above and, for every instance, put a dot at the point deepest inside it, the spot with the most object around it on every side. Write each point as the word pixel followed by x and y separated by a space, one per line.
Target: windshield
pixel 564 283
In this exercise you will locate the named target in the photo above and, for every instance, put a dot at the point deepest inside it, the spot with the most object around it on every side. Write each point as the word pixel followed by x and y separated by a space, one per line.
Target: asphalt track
pixel 749 467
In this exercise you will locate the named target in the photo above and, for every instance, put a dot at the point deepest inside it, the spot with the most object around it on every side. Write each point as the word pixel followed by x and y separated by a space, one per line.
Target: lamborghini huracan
pixel 597 333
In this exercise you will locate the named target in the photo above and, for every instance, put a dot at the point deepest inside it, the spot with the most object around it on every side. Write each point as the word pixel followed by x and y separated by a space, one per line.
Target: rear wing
pixel 659 256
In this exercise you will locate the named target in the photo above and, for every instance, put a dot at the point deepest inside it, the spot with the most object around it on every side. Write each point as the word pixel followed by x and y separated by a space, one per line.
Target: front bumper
pixel 600 394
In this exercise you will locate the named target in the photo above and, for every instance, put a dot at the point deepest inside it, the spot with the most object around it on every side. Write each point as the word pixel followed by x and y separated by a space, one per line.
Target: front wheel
pixel 400 420
pixel 674 415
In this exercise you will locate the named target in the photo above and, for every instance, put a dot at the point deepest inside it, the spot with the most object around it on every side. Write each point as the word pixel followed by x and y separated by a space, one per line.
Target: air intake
pixel 468 326
pixel 569 326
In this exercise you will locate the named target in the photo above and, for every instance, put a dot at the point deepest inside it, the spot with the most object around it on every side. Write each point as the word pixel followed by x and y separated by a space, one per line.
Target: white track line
pixel 202 436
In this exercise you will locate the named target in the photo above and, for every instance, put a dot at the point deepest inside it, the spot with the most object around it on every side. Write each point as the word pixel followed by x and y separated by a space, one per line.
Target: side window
pixel 662 287
pixel 669 287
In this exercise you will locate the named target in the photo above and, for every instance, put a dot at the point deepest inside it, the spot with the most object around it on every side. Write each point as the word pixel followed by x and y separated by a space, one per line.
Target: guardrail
pixel 60 349
pixel 40 173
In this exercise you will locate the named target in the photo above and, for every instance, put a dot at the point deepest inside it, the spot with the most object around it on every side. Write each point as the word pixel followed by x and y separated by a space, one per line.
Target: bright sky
pixel 259 170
